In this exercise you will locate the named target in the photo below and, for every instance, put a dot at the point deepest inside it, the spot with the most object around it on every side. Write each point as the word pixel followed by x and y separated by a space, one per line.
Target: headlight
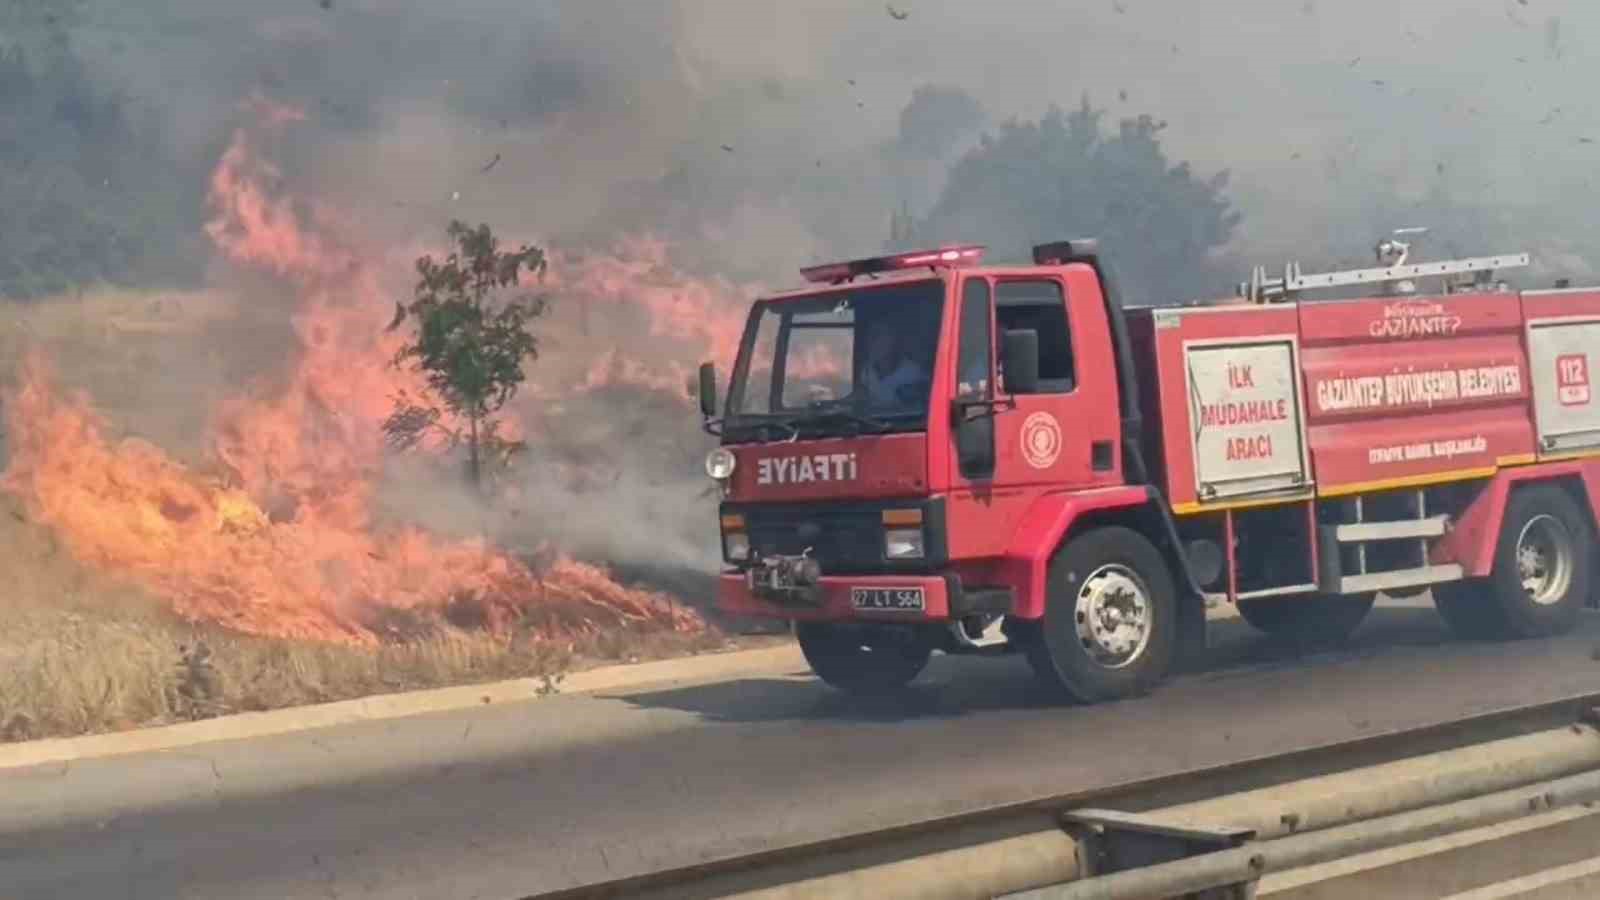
pixel 720 463
pixel 902 543
pixel 736 545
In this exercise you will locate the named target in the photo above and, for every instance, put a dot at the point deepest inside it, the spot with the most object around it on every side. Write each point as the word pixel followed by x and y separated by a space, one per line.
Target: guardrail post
pixel 1116 841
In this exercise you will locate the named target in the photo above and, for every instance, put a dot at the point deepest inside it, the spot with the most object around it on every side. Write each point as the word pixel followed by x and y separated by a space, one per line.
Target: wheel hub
pixel 1545 551
pixel 1113 616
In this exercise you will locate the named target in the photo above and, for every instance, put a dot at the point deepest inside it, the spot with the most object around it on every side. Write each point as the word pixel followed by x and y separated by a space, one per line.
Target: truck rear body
pixel 1311 404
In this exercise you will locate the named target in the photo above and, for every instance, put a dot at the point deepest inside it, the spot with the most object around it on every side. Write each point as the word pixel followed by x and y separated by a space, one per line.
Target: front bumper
pixel 830 598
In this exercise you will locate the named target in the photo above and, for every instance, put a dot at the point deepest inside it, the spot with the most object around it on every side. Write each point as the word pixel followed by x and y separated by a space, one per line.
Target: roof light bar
pixel 836 273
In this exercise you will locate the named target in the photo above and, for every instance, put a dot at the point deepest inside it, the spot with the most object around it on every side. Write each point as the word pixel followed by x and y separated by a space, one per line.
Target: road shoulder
pixel 688 670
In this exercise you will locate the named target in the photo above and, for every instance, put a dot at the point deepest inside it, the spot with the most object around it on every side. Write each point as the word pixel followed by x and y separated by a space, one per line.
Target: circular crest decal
pixel 1041 440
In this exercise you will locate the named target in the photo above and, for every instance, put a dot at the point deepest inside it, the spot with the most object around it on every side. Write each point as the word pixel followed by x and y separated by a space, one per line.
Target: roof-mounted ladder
pixel 1395 272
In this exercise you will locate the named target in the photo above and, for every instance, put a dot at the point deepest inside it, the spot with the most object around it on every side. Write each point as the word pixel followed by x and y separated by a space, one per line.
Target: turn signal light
pixel 902 517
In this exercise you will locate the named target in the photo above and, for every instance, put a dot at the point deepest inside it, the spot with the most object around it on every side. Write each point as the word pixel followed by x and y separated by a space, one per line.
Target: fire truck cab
pixel 921 453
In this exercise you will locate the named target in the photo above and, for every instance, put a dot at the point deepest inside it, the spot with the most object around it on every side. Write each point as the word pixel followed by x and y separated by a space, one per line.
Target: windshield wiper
pixel 787 427
pixel 790 427
pixel 824 414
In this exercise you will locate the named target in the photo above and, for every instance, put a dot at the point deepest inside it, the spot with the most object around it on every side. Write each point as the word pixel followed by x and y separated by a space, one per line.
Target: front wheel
pixel 1319 618
pixel 862 659
pixel 1111 618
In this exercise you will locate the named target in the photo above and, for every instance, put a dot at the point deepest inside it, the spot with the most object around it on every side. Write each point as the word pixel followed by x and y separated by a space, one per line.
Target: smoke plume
pixel 678 157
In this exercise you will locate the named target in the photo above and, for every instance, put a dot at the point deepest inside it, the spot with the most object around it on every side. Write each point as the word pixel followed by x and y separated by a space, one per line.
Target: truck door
pixel 1061 436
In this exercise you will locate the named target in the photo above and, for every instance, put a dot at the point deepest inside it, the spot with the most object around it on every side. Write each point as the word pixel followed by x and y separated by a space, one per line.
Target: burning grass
pixel 90 644
pixel 89 647
pixel 269 527
pixel 196 486
pixel 81 653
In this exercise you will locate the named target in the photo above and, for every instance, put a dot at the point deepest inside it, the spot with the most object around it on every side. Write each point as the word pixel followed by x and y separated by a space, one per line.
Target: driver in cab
pixel 891 378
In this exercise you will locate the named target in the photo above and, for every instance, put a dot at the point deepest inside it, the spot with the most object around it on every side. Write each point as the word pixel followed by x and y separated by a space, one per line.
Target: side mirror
pixel 708 390
pixel 1019 360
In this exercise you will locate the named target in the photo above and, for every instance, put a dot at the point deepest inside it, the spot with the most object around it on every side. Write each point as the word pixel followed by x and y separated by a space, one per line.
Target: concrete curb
pixel 708 667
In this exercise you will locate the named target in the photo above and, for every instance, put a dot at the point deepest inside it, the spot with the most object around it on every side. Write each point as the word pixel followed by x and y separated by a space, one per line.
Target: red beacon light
pixel 840 272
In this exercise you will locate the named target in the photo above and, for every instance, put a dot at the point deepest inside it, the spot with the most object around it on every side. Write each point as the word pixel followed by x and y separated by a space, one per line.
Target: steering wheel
pixel 911 394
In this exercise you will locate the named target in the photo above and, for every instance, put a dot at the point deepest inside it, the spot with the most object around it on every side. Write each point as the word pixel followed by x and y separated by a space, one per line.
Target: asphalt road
pixel 511 800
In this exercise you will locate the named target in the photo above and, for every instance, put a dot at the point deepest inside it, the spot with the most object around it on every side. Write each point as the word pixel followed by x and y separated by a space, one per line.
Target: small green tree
pixel 470 343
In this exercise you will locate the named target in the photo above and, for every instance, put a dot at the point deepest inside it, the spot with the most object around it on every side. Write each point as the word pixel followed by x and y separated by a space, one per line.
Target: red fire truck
pixel 919 452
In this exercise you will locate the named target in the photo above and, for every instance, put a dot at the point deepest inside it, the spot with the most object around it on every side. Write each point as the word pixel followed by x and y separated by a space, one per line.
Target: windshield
pixel 841 362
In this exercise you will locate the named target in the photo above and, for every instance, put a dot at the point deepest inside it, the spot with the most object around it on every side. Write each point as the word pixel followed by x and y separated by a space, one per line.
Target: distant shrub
pixel 88 191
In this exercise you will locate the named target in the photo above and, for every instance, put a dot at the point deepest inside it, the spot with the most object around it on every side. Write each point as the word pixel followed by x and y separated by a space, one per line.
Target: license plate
pixel 894 599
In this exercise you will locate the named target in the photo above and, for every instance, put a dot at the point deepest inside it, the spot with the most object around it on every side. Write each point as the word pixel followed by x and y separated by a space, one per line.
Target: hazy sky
pixel 1240 80
pixel 1246 84
pixel 1321 109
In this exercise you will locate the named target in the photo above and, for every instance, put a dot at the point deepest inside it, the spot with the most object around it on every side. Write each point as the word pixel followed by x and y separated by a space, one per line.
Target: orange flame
pixel 283 542
pixel 706 314
pixel 612 368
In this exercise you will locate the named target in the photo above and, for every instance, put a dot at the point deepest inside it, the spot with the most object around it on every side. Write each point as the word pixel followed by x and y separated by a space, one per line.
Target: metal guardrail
pixel 1240 866
pixel 1046 843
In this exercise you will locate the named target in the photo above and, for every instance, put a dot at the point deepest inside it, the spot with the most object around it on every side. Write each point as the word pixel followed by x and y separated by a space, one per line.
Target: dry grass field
pixel 83 651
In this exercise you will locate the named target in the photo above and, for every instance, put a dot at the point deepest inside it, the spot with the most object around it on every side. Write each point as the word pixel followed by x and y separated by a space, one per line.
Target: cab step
pixel 1399 578
pixel 1355 532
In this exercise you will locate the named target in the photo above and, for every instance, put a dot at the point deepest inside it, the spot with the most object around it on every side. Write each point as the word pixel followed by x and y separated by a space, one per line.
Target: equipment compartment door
pixel 1562 356
pixel 1247 423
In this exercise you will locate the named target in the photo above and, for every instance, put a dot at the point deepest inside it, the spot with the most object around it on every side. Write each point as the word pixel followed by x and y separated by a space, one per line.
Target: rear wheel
pixel 1320 618
pixel 1110 625
pixel 1541 577
pixel 862 659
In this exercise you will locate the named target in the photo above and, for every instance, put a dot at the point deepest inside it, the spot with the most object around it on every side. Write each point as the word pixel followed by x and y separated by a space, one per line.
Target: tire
pixel 1542 575
pixel 1317 619
pixel 861 659
pixel 1106 570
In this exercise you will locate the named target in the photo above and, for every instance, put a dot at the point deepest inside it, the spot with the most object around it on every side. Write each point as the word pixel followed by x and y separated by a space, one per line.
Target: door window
pixel 973 358
pixel 974 427
pixel 1040 306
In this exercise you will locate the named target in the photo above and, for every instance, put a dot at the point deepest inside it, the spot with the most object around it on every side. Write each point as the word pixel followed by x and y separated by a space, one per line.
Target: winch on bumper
pixel 834 561
pixel 794 588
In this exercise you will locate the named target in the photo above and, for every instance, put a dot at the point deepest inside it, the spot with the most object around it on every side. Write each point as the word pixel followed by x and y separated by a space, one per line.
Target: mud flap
pixel 1594 585
pixel 1190 654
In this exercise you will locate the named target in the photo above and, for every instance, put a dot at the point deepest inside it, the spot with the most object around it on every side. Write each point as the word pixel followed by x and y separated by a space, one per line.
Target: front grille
pixel 840 540
pixel 844 538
